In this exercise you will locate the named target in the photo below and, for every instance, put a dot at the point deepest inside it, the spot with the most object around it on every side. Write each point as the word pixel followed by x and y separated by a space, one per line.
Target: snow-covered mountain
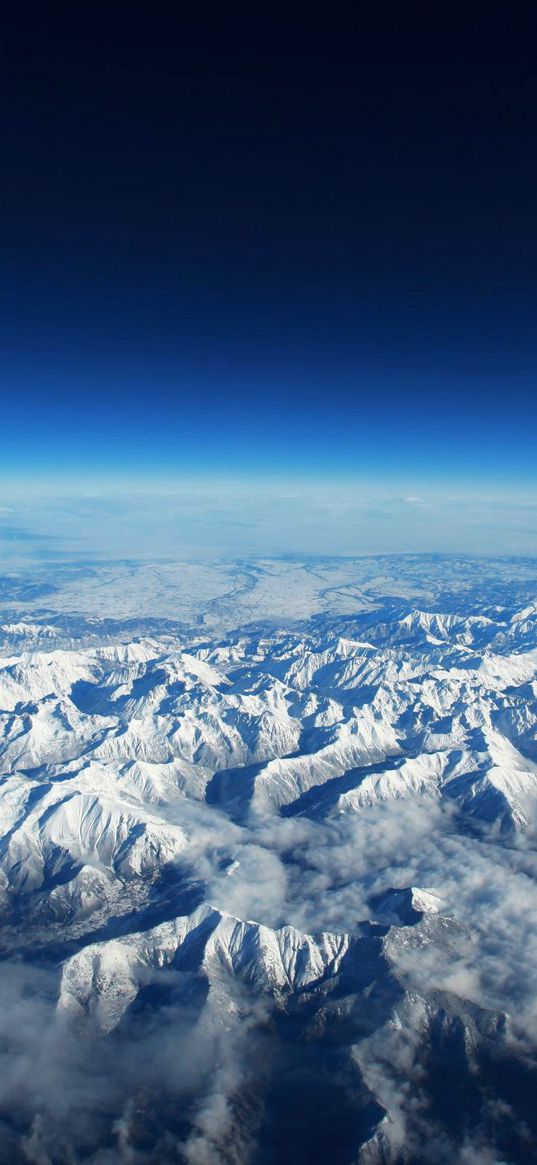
pixel 220 835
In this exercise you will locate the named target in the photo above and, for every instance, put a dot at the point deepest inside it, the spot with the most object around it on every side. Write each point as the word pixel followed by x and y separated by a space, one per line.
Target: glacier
pixel 268 869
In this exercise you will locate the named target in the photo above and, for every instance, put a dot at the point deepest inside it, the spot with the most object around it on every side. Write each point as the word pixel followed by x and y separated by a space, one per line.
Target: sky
pixel 265 244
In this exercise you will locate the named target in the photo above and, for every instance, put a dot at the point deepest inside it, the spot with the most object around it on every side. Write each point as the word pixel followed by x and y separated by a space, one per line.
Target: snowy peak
pixel 103 979
pixel 406 905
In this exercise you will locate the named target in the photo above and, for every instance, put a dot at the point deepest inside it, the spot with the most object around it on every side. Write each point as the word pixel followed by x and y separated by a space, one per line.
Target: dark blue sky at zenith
pixel 243 240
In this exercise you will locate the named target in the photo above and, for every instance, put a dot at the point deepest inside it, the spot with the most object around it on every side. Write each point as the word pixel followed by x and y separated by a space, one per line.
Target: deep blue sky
pixel 251 240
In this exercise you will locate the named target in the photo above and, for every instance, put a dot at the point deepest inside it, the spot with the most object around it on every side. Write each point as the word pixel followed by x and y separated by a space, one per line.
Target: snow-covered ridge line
pixel 102 981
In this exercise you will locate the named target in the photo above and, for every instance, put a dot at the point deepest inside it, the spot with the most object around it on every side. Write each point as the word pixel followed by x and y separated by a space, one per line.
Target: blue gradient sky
pixel 270 247
pixel 334 414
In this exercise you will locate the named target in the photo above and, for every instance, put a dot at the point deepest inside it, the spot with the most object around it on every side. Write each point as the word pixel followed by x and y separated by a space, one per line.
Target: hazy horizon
pixel 254 519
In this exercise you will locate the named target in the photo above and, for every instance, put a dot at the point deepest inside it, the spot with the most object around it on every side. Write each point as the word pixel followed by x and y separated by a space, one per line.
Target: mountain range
pixel 287 869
